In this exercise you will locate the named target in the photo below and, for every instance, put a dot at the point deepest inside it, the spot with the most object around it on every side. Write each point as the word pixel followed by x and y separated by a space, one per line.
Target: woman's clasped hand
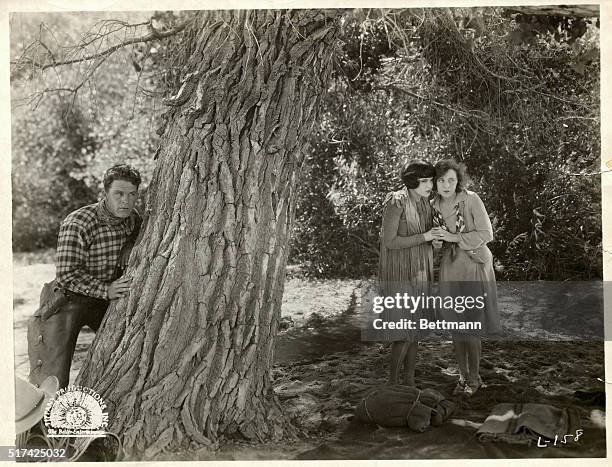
pixel 438 233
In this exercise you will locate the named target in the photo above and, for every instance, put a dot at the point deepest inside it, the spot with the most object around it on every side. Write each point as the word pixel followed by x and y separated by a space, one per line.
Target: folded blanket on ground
pixel 526 423
pixel 398 405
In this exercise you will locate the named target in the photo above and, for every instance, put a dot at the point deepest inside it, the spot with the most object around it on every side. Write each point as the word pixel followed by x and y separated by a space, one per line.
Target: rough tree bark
pixel 186 359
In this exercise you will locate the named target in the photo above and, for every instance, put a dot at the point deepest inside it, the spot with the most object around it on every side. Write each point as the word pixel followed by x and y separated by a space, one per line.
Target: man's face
pixel 121 197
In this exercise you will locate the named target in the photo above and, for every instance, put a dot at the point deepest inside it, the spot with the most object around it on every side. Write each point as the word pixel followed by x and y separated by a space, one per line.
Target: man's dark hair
pixel 121 172
pixel 445 165
pixel 413 170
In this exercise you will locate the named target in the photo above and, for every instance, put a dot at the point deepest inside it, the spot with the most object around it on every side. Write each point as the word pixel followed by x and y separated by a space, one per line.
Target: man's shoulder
pixel 82 217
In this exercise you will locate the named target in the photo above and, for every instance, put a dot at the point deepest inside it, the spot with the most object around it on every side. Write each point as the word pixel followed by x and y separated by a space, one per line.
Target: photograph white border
pixel 7 431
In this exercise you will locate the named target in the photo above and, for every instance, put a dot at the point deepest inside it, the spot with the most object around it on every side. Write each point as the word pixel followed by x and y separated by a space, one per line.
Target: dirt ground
pixel 323 369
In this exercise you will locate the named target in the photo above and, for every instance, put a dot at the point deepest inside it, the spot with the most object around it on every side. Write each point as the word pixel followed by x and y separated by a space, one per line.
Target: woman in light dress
pixel 466 269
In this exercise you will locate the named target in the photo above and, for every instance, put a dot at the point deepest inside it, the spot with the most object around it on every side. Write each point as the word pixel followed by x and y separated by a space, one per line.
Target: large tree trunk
pixel 187 357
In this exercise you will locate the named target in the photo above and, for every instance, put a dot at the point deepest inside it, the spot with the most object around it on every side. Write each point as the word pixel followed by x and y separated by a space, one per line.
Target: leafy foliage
pixel 515 96
pixel 44 186
pixel 521 110
pixel 62 143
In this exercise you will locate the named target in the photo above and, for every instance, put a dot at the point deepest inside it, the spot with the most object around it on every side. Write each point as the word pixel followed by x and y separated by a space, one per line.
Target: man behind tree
pixel 93 247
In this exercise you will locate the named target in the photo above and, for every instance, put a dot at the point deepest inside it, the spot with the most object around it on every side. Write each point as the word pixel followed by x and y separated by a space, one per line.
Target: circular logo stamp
pixel 76 411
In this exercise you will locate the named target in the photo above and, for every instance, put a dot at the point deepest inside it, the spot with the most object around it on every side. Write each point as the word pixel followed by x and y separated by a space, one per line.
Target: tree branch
pixel 106 24
pixel 153 35
pixel 371 248
pixel 464 113
pixel 558 10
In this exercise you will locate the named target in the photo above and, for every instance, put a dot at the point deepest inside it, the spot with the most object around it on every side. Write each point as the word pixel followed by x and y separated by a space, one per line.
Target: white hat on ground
pixel 31 402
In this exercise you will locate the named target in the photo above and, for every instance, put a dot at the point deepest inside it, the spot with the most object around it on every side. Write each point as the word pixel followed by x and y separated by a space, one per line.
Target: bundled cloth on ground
pixel 397 405
pixel 526 423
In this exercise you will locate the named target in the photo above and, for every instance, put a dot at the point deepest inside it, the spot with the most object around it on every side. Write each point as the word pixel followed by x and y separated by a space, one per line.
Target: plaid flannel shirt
pixel 88 246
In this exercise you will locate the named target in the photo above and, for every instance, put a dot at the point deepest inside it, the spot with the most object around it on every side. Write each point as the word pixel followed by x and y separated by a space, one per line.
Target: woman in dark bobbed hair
pixel 406 261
